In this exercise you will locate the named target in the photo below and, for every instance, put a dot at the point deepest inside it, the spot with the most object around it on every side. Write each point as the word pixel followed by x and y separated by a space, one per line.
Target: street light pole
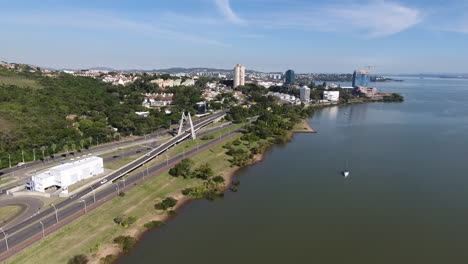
pixel 9 159
pixel 85 210
pixel 34 154
pixel 147 172
pixel 22 155
pixel 167 159
pixel 118 189
pixel 6 238
pixel 56 215
pixel 94 193
pixel 43 233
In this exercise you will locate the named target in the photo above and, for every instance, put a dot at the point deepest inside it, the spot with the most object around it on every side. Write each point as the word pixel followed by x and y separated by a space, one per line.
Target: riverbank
pixel 228 173
pixel 303 127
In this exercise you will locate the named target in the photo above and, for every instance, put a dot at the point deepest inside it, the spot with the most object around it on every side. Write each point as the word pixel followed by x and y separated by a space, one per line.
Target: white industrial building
pixel 332 96
pixel 67 174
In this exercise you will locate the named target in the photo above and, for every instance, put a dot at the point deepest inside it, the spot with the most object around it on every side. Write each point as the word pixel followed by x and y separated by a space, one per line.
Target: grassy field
pixel 7 212
pixel 91 231
pixel 302 126
pixel 19 81
pixel 6 180
pixel 118 163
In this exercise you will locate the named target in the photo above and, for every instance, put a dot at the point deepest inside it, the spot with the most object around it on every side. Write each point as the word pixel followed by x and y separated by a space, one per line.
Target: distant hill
pixel 168 70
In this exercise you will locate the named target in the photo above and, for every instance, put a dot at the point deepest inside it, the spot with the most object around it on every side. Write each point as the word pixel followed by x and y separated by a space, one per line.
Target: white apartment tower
pixel 305 94
pixel 239 75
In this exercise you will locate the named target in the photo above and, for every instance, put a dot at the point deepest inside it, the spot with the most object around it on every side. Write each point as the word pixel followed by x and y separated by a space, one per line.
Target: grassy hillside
pixel 33 111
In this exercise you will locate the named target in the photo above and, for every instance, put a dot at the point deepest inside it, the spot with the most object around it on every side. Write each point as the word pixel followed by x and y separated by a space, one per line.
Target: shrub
pixel 154 224
pixel 186 191
pixel 166 203
pixel 109 259
pixel 78 259
pixel 126 243
pixel 207 137
pixel 218 179
pixel 172 212
pixel 125 221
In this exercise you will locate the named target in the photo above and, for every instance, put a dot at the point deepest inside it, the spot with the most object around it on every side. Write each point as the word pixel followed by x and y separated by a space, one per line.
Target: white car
pixel 103 181
pixel 20 164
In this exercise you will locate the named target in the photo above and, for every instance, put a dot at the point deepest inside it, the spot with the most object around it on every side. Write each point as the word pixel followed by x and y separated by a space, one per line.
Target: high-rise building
pixel 290 77
pixel 361 78
pixel 239 75
pixel 305 93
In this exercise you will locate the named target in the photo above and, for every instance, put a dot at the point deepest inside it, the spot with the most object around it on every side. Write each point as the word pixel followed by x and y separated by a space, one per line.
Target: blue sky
pixel 401 36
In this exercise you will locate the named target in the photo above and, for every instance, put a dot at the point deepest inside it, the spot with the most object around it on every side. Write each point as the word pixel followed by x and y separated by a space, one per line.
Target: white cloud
pixel 225 8
pixel 100 21
pixel 371 19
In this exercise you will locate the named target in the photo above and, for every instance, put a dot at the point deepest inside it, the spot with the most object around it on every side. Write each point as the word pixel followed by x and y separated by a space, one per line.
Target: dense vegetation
pixel 33 119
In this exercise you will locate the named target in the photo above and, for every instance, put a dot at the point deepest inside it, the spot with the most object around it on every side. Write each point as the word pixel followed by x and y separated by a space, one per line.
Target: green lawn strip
pixel 7 212
pixel 97 227
pixel 118 163
pixel 6 180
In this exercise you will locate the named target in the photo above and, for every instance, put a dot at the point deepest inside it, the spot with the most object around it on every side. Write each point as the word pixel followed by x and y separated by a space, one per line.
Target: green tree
pixel 183 168
pixel 204 172
pixel 42 148
pixel 53 147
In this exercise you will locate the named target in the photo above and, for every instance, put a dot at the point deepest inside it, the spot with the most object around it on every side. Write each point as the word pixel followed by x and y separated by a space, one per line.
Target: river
pixel 405 200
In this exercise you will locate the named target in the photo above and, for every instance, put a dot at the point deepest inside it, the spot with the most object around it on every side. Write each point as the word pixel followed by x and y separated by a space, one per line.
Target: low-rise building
pixel 368 91
pixel 189 82
pixel 333 96
pixel 64 175
pixel 157 99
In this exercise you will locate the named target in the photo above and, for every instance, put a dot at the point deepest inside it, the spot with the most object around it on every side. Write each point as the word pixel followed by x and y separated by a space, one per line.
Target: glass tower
pixel 290 77
pixel 361 78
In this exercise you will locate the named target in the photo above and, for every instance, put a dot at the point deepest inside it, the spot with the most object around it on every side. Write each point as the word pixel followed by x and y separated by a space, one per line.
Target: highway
pixel 96 193
pixel 37 162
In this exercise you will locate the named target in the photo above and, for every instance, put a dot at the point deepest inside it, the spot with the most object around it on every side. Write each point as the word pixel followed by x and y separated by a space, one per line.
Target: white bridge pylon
pixel 181 124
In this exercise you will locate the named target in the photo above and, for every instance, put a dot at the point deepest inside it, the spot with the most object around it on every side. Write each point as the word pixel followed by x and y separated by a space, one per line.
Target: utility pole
pixel 22 155
pixel 6 238
pixel 34 154
pixel 94 193
pixel 9 160
pixel 85 210
pixel 43 233
pixel 56 215
pixel 167 159
pixel 118 189
pixel 147 172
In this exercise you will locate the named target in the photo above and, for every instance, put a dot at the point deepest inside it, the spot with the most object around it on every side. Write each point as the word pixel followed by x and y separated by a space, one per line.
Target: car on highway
pixel 20 164
pixel 73 196
pixel 116 156
pixel 138 151
pixel 103 181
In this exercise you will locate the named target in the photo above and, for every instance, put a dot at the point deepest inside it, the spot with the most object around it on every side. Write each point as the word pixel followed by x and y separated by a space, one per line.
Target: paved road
pixel 97 192
pixel 31 164
pixel 29 207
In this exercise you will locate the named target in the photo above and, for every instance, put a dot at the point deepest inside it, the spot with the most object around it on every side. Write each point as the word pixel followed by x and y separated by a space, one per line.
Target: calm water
pixel 405 201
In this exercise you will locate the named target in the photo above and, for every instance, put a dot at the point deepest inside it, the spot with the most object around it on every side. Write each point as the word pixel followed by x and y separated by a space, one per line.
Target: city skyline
pixel 269 36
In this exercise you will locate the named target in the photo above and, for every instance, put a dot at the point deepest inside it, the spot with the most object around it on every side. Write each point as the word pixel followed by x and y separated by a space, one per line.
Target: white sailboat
pixel 346 171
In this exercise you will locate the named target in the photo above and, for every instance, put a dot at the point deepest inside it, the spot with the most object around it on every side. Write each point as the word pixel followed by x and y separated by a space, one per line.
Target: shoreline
pixel 183 201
